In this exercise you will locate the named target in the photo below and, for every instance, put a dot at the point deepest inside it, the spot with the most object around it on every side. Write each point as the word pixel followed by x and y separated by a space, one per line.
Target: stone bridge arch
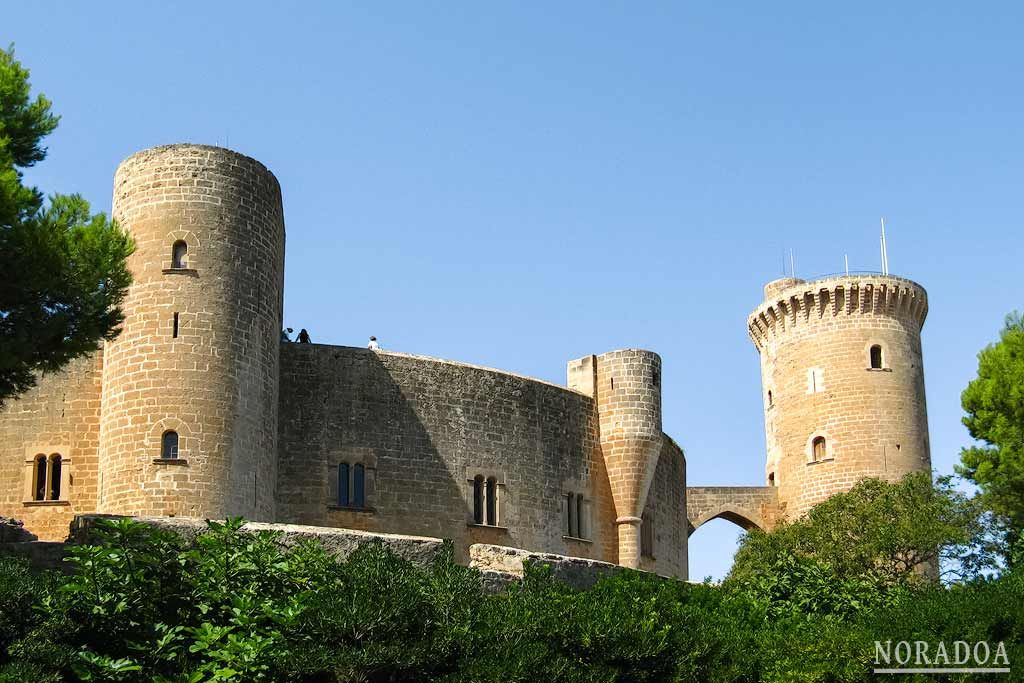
pixel 746 506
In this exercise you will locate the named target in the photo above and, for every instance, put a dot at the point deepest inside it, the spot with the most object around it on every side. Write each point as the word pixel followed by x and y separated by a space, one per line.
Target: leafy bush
pixel 145 605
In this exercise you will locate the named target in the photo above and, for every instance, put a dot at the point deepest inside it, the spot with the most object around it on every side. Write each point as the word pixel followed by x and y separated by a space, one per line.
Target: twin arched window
pixel 485 500
pixel 577 516
pixel 179 254
pixel 46 477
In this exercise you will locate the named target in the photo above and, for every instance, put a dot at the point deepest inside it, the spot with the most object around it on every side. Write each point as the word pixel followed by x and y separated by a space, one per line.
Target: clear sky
pixel 520 184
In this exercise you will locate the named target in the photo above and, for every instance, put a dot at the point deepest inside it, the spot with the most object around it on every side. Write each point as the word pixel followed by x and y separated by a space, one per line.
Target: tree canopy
pixel 994 403
pixel 64 268
pixel 859 548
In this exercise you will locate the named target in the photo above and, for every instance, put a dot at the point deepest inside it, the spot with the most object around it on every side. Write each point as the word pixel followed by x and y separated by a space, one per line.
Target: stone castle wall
pixel 814 339
pixel 424 428
pixel 60 415
pixel 198 353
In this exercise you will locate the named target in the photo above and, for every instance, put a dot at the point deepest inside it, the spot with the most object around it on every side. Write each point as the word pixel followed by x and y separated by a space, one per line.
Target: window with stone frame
pixel 647 535
pixel 48 478
pixel 179 255
pixel 350 485
pixel 169 445
pixel 875 357
pixel 819 449
pixel 576 516
pixel 486 497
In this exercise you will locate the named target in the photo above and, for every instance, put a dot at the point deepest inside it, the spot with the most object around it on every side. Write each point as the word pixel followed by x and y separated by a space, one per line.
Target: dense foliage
pixel 145 605
pixel 994 403
pixel 64 269
pixel 863 548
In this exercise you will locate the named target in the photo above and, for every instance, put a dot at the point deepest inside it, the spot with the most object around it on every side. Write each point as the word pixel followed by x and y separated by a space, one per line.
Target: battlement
pixel 791 302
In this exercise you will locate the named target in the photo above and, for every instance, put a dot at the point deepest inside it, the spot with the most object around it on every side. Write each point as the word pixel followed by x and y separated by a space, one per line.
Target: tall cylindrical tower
pixel 189 411
pixel 843 383
pixel 629 416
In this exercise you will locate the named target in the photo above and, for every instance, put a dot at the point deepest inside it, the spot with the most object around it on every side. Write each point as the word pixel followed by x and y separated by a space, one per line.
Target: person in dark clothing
pixel 303 336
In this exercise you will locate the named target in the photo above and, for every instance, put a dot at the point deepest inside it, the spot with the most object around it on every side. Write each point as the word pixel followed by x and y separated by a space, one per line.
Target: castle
pixel 199 408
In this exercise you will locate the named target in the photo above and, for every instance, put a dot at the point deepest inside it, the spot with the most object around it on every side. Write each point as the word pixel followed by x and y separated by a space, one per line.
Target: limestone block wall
pixel 198 354
pixel 628 391
pixel 745 506
pixel 61 415
pixel 665 510
pixel 424 428
pixel 814 340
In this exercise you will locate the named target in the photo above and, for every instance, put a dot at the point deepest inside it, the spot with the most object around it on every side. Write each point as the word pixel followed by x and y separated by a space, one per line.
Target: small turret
pixel 626 386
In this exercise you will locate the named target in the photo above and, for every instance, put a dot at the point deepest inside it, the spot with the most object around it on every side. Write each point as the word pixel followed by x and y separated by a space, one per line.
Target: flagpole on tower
pixel 885 251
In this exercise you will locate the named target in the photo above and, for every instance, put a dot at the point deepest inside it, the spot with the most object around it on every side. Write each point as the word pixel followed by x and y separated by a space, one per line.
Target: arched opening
pixel 478 499
pixel 570 510
pixel 39 489
pixel 581 519
pixel 179 254
pixel 712 549
pixel 492 501
pixel 169 445
pixel 359 486
pixel 818 449
pixel 647 535
pixel 343 499
pixel 771 479
pixel 876 357
pixel 56 465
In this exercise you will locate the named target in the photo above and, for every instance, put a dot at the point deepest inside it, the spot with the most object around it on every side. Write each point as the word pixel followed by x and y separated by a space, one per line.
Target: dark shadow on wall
pixel 420 428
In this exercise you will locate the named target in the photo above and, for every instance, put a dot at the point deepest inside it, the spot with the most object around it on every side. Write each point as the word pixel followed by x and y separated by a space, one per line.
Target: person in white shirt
pixel 373 345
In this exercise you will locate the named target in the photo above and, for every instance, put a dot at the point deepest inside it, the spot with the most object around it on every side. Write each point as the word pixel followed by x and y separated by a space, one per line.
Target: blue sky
pixel 521 184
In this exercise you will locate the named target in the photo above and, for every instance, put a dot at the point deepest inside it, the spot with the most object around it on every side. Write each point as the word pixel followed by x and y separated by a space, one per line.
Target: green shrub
pixel 144 605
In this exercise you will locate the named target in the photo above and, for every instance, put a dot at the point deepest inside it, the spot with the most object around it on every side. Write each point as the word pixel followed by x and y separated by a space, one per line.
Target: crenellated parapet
pixel 791 303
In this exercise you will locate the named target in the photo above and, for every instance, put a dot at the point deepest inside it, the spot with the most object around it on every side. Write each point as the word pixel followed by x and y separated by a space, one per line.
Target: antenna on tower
pixel 885 252
pixel 792 264
pixel 846 260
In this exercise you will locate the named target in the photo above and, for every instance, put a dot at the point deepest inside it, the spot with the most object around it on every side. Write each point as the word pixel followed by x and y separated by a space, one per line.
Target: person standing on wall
pixel 373 345
pixel 303 336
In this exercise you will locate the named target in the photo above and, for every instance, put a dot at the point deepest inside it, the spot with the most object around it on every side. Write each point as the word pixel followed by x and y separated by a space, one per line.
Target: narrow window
pixel 876 357
pixel 818 449
pixel 570 511
pixel 55 472
pixel 169 446
pixel 478 500
pixel 359 486
pixel 581 531
pixel 174 334
pixel 647 536
pixel 40 488
pixel 343 485
pixel 179 255
pixel 771 479
pixel 492 501
pixel 770 402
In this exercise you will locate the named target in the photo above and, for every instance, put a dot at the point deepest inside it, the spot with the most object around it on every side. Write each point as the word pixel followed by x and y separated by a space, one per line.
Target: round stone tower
pixel 190 387
pixel 629 413
pixel 843 383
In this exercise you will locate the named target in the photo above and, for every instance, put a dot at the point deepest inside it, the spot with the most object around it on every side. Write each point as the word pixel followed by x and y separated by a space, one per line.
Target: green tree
pixel 858 550
pixel 994 403
pixel 64 269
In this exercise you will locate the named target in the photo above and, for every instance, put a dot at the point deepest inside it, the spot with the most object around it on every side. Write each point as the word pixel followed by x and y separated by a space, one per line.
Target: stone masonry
pixel 198 409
